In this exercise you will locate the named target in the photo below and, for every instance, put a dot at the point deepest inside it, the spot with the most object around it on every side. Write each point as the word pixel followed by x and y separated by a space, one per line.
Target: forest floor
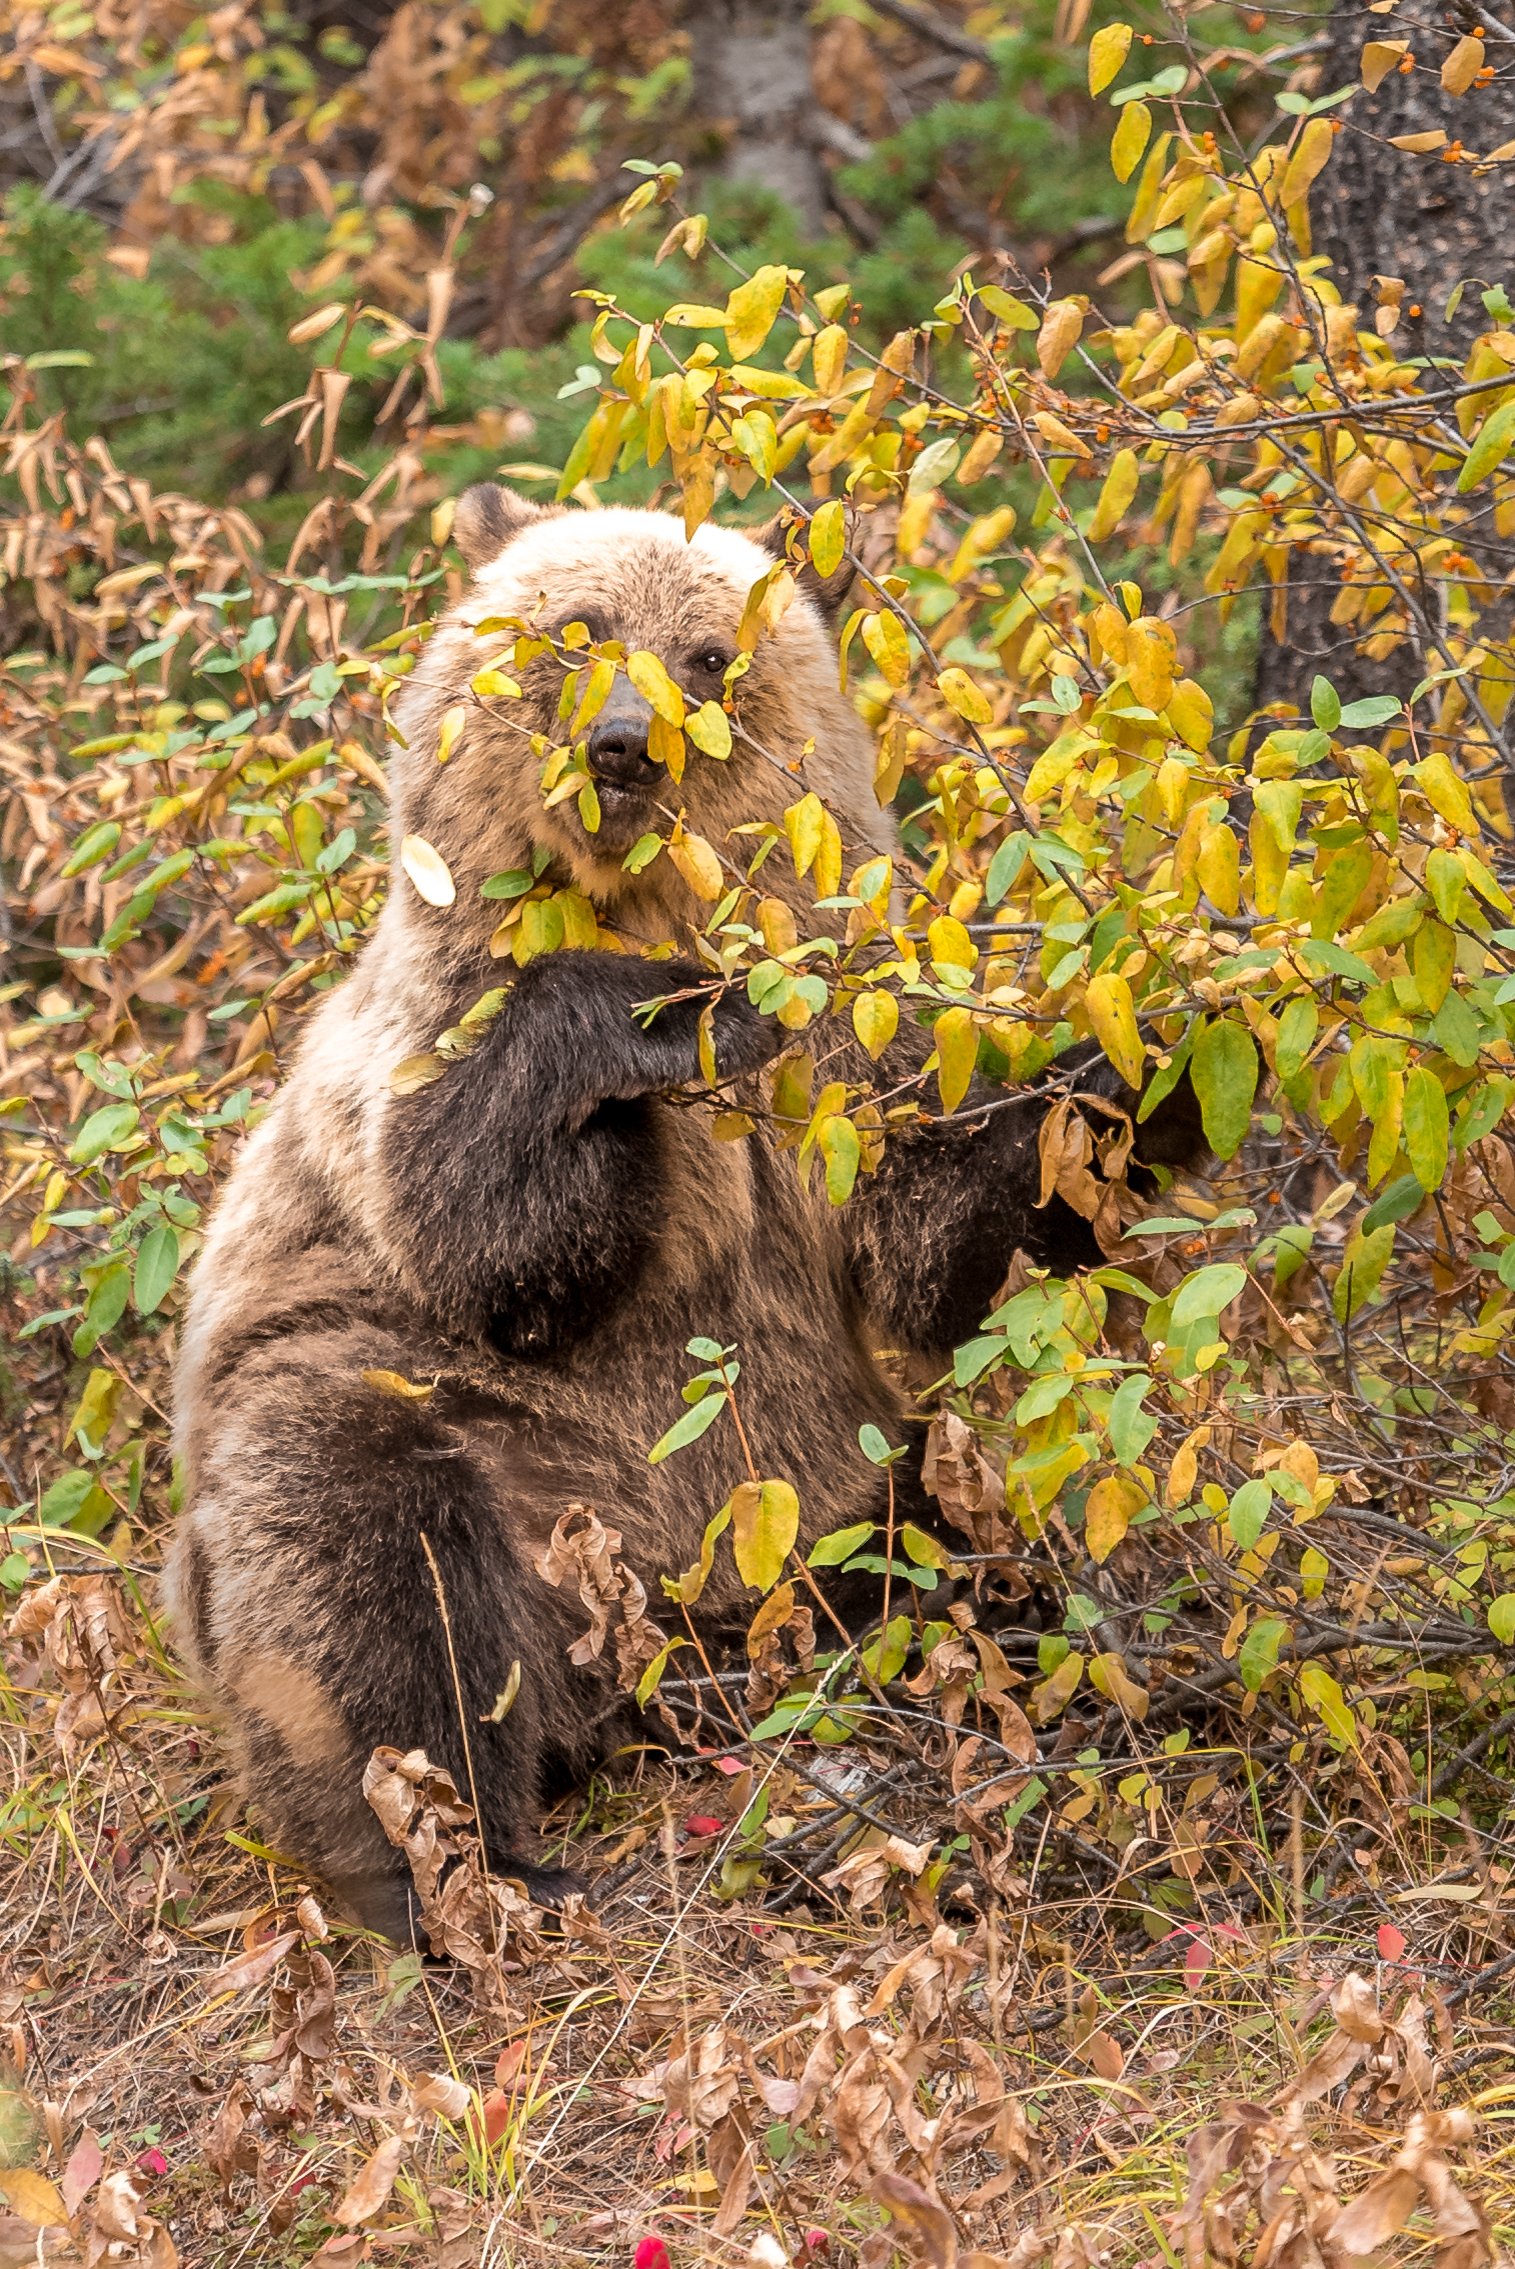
pixel 843 2059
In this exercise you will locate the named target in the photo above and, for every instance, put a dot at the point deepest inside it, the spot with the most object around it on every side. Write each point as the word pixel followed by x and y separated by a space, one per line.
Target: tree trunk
pixel 752 86
pixel 1378 212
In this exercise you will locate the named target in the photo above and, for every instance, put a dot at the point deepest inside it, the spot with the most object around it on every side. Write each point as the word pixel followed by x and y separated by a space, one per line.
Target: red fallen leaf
pixel 651 2253
pixel 509 2061
pixel 1196 1961
pixel 1391 1943
pixel 817 2241
pixel 151 2162
pixel 703 1824
pixel 732 1765
pixel 497 2112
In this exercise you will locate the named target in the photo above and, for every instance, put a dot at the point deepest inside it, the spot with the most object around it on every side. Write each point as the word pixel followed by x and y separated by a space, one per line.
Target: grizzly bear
pixel 430 1317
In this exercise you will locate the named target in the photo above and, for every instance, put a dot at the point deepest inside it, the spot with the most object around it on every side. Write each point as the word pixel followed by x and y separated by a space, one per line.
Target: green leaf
pixel 1489 449
pixel 1223 1069
pixel 1206 1292
pixel 1395 1203
pixel 1247 1514
pixel 842 1151
pixel 1258 1652
pixel 1006 865
pixel 1377 709
pixel 1325 705
pixel 1297 1028
pixel 95 844
pixel 1426 1119
pixel 157 1266
pixel 652 1676
pixel 923 1549
pixel 831 1551
pixel 1329 1703
pixel 876 1448
pixel 885 1657
pixel 1361 1271
pixel 689 1428
pixel 102 1131
pixel 1129 1426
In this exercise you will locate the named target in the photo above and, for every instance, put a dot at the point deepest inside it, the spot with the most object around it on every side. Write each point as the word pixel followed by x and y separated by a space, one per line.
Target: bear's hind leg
pixel 308 1581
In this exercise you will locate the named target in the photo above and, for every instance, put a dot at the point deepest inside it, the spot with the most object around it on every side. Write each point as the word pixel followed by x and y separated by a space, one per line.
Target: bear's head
pixel 608 585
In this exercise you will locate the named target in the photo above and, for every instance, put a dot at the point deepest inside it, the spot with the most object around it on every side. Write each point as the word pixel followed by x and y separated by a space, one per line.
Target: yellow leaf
pixel 34 2198
pixel 885 638
pixel 1129 139
pixel 948 941
pixel 710 729
pixel 416 1072
pixel 1420 145
pixel 1184 1470
pixel 956 1054
pixel 1379 58
pixel 1112 1013
pixel 1065 442
pixel 1112 1506
pixel 828 358
pixel 828 537
pixel 804 824
pixel 841 1148
pixel 1219 868
pixel 1116 496
pixel 959 692
pixel 428 871
pixel 1445 792
pixel 875 1020
pixel 1107 52
pixel 828 859
pixel 1310 154
pixel 751 310
pixel 1151 651
pixel 450 729
pixel 1060 326
pixel 493 685
pixel 655 686
pixel 691 316
pixel 395 1383
pixel 1191 714
pixel 1462 66
pixel 698 865
pixel 765 1520
pixel 1109 1676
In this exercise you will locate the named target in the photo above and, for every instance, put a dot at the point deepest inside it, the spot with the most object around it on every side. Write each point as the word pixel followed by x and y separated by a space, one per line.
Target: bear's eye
pixel 715 660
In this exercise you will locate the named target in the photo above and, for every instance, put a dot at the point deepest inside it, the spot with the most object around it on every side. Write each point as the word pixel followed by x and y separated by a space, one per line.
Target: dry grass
pixel 204 2063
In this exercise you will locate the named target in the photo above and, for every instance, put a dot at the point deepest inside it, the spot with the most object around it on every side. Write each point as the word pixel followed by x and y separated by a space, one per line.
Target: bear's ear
pixel 830 592
pixel 487 518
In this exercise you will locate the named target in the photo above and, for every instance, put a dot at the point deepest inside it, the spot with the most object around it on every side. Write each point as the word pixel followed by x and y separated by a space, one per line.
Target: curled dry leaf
pixel 123 2234
pixel 253 1967
pixel 439 2092
pixel 368 2192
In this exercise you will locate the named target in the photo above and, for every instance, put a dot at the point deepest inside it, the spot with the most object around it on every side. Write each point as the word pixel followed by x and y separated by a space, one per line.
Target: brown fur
pixel 536 1236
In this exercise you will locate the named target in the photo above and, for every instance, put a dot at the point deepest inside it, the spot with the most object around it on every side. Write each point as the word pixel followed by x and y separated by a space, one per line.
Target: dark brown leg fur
pixel 321 1629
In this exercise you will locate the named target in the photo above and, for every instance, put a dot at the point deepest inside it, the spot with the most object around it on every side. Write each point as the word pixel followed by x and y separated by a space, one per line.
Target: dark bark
pixel 1381 212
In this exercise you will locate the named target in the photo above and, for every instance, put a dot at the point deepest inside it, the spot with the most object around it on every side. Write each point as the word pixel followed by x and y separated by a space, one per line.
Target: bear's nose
pixel 618 739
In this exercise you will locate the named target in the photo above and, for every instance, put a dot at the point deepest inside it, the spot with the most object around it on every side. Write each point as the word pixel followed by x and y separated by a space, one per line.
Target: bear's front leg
pixel 519 1192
